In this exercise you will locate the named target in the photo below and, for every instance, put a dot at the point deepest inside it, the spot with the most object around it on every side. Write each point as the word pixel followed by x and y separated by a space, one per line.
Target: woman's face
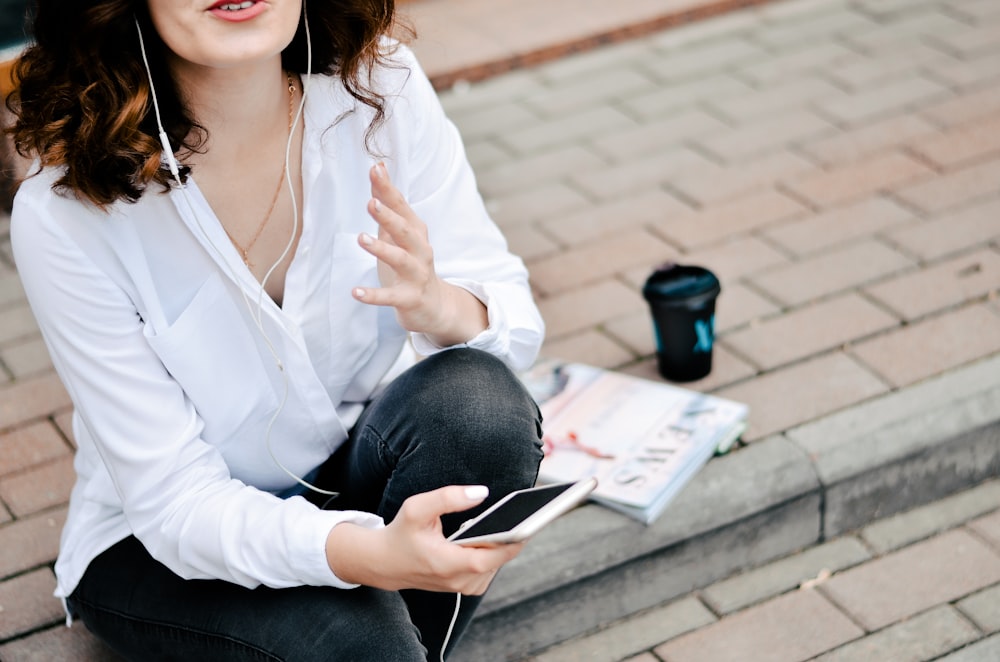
pixel 225 33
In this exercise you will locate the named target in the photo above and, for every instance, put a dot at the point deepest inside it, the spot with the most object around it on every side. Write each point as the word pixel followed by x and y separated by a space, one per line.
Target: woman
pixel 233 301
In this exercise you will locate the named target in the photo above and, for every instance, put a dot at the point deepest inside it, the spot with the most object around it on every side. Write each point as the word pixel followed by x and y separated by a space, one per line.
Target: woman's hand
pixel 424 303
pixel 411 552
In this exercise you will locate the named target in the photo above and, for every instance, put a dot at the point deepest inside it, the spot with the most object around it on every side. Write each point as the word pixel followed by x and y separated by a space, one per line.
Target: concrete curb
pixel 762 502
pixel 477 71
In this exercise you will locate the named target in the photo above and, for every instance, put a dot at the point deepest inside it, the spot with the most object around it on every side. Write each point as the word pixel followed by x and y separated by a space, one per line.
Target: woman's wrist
pixel 465 317
pixel 351 552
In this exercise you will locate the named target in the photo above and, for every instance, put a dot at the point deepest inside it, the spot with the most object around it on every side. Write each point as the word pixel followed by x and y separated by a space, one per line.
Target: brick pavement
pixel 835 161
pixel 922 585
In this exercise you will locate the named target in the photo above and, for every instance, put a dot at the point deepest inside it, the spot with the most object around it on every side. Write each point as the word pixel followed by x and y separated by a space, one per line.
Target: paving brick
pixel 58 643
pixel 534 204
pixel 900 530
pixel 527 242
pixel 966 73
pixel 965 142
pixel 729 219
pixel 30 445
pixel 30 542
pixel 810 330
pixel 989 528
pixel 831 228
pixel 941 343
pixel 39 488
pixel 827 273
pixel 883 100
pixel 485 154
pixel 597 88
pixel 657 134
pixel 578 309
pixel 739 305
pixel 803 392
pixel 977 9
pixel 520 174
pixel 701 59
pixel 635 175
pixel 905 29
pixel 774 578
pixel 790 628
pixel 31 398
pixel 493 120
pixel 671 99
pixel 563 130
pixel 64 423
pixel 969 105
pixel 811 57
pixel 983 609
pixel 589 346
pixel 819 26
pixel 972 41
pixel 26 358
pixel 923 637
pixel 634 634
pixel 956 187
pixel 709 186
pixel 727 368
pixel 777 98
pixel 858 142
pixel 10 290
pixel 862 71
pixel 585 64
pixel 17 322
pixel 857 180
pixel 770 134
pixel 634 331
pixel 644 657
pixel 737 257
pixel 941 285
pixel 886 10
pixel 952 232
pixel 648 207
pixel 587 263
pixel 887 590
pixel 729 24
pixel 986 649
pixel 26 602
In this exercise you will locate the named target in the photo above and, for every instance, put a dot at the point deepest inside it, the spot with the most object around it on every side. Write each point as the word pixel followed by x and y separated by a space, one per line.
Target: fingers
pixel 393 213
pixel 429 506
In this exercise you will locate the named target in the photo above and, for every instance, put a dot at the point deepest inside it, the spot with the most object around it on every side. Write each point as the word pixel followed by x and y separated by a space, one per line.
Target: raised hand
pixel 424 303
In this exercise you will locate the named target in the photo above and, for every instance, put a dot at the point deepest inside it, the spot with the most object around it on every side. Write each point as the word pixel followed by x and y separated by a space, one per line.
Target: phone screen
pixel 513 511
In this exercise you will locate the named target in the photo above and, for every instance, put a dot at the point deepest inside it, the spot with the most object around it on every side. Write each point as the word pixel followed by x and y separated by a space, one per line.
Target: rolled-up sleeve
pixel 469 249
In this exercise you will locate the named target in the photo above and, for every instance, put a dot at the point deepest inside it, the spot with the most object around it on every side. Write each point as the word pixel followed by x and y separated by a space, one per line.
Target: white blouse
pixel 185 425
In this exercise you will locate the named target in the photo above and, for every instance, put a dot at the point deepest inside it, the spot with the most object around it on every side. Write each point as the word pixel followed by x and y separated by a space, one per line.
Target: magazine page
pixel 637 436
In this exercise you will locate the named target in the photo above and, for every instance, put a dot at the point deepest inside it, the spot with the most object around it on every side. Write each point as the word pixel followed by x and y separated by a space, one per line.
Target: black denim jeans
pixel 458 417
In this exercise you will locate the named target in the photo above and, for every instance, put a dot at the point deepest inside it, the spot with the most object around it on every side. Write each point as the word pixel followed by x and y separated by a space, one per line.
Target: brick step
pixel 761 502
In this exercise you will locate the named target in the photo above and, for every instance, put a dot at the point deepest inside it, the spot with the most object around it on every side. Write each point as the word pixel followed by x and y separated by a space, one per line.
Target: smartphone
pixel 522 514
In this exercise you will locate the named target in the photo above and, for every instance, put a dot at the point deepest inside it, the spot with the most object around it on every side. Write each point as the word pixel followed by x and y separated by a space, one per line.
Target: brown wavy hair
pixel 82 99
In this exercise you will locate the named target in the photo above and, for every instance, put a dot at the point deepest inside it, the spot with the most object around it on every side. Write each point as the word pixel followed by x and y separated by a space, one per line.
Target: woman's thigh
pixel 146 612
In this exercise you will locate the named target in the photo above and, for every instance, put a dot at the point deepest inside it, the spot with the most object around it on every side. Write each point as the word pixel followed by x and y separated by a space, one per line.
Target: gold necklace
pixel 245 252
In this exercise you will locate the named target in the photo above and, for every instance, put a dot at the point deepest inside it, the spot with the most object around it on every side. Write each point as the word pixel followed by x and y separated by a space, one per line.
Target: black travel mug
pixel 682 303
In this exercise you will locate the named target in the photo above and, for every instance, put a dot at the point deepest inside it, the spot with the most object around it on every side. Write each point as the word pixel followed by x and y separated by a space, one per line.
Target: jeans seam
pixel 168 627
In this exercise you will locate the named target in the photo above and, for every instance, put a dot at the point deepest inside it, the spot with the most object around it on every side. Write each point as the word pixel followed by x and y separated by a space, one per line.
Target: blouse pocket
pixel 211 353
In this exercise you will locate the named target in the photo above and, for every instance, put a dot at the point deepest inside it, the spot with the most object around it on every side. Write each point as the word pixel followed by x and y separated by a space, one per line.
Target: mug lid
pixel 676 282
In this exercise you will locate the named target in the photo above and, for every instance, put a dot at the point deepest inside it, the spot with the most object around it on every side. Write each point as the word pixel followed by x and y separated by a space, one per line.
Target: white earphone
pixel 257 315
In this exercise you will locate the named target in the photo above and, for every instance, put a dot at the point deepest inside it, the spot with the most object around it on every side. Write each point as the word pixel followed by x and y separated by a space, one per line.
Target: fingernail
pixel 382 172
pixel 366 239
pixel 477 492
pixel 377 204
pixel 359 292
